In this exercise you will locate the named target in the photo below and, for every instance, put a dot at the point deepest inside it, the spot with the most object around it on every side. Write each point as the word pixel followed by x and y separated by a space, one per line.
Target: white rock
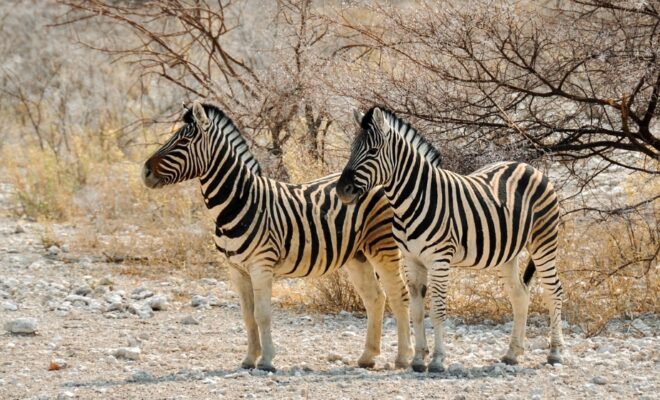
pixel 54 251
pixel 74 298
pixel 22 326
pixel 127 353
pixel 113 297
pixel 158 303
pixel 9 306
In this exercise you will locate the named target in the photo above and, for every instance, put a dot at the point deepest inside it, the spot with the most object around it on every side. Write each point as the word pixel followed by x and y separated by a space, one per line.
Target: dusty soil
pixel 91 320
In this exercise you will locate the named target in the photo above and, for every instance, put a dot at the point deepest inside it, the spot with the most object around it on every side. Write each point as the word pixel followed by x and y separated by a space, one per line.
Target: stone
pixel 19 228
pixel 22 326
pixel 141 376
pixel 127 353
pixel 141 294
pixel 158 303
pixel 189 320
pixel 53 251
pixel 83 291
pixel 106 281
pixel 198 301
pixel 599 380
pixel 9 306
pixel 77 299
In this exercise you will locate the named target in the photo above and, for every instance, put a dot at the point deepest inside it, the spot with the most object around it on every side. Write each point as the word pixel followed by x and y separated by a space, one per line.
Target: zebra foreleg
pixel 518 294
pixel 389 271
pixel 439 279
pixel 364 279
pixel 417 275
pixel 243 285
pixel 262 284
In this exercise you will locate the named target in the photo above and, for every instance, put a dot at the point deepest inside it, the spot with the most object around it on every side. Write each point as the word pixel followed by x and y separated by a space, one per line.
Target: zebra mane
pixel 227 127
pixel 408 133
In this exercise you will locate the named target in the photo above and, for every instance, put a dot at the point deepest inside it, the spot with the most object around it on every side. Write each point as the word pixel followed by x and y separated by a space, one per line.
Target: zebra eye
pixel 373 151
pixel 184 140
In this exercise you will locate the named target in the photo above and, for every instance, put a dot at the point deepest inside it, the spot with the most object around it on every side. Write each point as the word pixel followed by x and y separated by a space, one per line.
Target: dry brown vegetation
pixel 77 125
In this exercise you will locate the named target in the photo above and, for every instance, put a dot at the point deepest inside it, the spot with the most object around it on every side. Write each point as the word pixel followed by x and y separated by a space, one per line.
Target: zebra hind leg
pixel 416 276
pixel 363 277
pixel 241 282
pixel 518 294
pixel 553 298
pixel 389 272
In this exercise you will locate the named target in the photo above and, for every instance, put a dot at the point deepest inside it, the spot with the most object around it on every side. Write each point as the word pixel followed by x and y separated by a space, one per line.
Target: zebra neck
pixel 410 174
pixel 229 188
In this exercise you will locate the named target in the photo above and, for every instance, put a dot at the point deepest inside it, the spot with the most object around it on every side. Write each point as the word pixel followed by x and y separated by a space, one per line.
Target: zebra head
pixel 370 162
pixel 185 155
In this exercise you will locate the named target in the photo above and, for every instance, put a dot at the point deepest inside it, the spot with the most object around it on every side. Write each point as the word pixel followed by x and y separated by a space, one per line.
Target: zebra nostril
pixel 349 189
pixel 147 171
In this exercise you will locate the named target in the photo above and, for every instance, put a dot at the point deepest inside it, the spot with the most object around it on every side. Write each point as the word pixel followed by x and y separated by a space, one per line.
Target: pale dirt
pixel 201 361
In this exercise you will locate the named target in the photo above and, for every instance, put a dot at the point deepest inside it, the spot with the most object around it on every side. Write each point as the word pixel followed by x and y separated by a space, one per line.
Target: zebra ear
pixel 358 115
pixel 199 115
pixel 379 120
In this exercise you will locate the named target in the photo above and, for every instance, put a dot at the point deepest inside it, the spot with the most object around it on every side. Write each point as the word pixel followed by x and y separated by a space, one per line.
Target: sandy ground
pixel 97 336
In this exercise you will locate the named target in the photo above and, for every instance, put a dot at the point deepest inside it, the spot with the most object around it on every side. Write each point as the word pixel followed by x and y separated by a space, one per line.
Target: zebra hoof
pixel 401 364
pixel 366 364
pixel 247 365
pixel 266 367
pixel 508 360
pixel 419 367
pixel 554 358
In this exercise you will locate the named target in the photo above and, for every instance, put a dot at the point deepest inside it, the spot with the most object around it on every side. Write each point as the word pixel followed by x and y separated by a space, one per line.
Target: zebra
pixel 443 219
pixel 267 228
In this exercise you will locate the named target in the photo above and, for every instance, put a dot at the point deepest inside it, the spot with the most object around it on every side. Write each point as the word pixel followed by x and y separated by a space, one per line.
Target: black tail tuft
pixel 529 272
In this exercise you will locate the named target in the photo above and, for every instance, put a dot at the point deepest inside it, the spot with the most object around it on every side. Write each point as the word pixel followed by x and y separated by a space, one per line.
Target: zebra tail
pixel 529 272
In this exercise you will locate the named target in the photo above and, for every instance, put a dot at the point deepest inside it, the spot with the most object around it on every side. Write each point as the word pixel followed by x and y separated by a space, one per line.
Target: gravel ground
pixel 100 334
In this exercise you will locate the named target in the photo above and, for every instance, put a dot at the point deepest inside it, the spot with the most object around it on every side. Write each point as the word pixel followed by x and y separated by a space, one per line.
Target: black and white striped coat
pixel 268 228
pixel 443 219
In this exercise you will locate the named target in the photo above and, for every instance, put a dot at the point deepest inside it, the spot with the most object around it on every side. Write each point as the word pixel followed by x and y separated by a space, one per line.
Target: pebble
pixel 127 353
pixel 25 326
pixel 19 228
pixel 599 380
pixel 106 281
pixel 141 376
pixel 83 291
pixel 198 301
pixel 9 306
pixel 141 294
pixel 158 303
pixel 189 320
pixel 54 251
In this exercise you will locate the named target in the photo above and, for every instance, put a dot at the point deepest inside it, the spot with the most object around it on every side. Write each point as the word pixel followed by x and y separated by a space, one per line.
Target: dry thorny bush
pixel 72 147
